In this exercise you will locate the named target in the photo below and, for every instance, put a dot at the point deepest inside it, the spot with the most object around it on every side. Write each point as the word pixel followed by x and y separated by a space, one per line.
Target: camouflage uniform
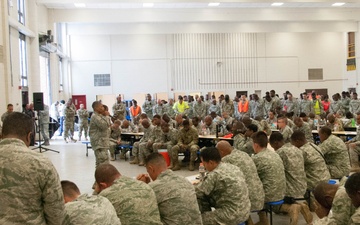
pixel 277 102
pixel 291 106
pixel 69 113
pixel 293 161
pixel 336 156
pixel 156 136
pixel 265 127
pixel 336 126
pixel 214 108
pixel 270 169
pixel 134 201
pixel 167 140
pixel 176 199
pixel 44 117
pixel 224 189
pixel 169 110
pixel 139 145
pixel 354 106
pixel 211 128
pixel 268 106
pixel 286 133
pixel 190 110
pixel 244 144
pixel 305 128
pixel 345 102
pixel 200 110
pixel 83 115
pixel 355 218
pixel 147 108
pixel 99 133
pixel 85 210
pixel 305 106
pixel 315 167
pixel 131 128
pixel 119 111
pixel 189 138
pixel 247 166
pixel 29 186
pixel 115 135
pixel 257 109
pixel 228 107
pixel 335 106
pixel 158 110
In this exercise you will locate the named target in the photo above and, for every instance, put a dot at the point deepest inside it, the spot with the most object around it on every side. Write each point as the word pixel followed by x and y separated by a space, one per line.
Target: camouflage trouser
pixel 193 151
pixel 68 128
pixel 137 148
pixel 157 146
pixel 144 151
pixel 45 131
pixel 83 126
pixel 101 156
pixel 112 149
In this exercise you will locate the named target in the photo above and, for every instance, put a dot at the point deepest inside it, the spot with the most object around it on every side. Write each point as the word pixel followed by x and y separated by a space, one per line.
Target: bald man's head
pixel 224 148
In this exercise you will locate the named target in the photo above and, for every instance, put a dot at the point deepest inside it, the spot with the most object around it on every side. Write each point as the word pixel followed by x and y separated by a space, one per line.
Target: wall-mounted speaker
pixel 38 98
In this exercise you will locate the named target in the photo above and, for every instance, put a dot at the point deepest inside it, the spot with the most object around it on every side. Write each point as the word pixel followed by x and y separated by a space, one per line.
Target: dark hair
pixel 260 138
pixel 180 97
pixel 9 105
pixel 186 122
pixel 17 124
pixel 106 173
pixel 276 137
pixel 95 104
pixel 69 188
pixel 157 117
pixel 302 115
pixel 352 184
pixel 325 130
pixel 252 127
pixel 298 136
pixel 155 158
pixel 210 153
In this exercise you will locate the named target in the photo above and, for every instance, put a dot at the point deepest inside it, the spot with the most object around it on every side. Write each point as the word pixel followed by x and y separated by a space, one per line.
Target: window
pixel 351 61
pixel 44 59
pixel 61 86
pixel 21 11
pixel 23 60
pixel 102 80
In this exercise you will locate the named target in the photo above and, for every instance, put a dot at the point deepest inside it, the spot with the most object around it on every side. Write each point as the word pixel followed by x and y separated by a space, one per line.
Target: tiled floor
pixel 72 164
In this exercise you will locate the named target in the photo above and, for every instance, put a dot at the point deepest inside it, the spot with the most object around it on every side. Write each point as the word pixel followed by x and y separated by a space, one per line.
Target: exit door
pixel 79 99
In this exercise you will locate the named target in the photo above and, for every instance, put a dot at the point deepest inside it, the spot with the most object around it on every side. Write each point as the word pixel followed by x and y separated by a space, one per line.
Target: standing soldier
pixel 83 115
pixel 336 104
pixel 119 109
pixel 69 114
pixel 345 101
pixel 257 109
pixel 147 107
pixel 305 104
pixel 44 124
pixel 169 108
pixel 199 109
pixel 354 107
pixel 158 109
pixel 228 106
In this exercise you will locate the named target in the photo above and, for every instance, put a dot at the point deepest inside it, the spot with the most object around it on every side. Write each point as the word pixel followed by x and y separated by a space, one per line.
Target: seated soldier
pixel 293 161
pixel 169 120
pixel 84 209
pixel 115 138
pixel 354 147
pixel 209 127
pixel 175 195
pixel 179 121
pixel 335 153
pixel 169 138
pixel 240 140
pixel 348 120
pixel 224 189
pixel 133 200
pixel 187 141
pixel 248 121
pixel 272 120
pixel 290 116
pixel 270 169
pixel 352 187
pixel 196 122
pixel 334 123
pixel 263 125
pixel 246 165
pixel 251 129
pixel 333 204
pixel 145 140
pixel 284 129
pixel 128 127
pixel 315 167
pixel 303 127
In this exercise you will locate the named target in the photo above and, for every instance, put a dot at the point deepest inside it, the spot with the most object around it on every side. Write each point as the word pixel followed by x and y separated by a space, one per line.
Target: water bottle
pixel 202 171
pixel 352 122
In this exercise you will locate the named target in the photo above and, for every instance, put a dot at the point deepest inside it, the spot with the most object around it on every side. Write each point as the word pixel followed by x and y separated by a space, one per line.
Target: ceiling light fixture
pixel 80 5
pixel 277 4
pixel 214 4
pixel 338 4
pixel 148 5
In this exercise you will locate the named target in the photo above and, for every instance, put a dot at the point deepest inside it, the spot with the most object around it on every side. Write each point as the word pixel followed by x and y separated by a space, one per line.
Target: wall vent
pixel 315 74
pixel 102 80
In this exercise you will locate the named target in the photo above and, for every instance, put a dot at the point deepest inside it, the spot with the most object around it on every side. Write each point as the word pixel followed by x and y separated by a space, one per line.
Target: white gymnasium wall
pixel 142 63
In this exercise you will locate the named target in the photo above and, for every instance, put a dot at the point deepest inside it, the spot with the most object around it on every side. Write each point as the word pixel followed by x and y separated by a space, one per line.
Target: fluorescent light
pixel 214 4
pixel 338 4
pixel 80 5
pixel 277 4
pixel 148 5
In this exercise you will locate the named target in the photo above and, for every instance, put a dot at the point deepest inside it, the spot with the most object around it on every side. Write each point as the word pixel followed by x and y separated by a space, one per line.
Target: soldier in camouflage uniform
pixel 305 105
pixel 335 153
pixel 168 139
pixel 187 141
pixel 214 107
pixel 9 109
pixel 169 108
pixel 293 161
pixel 119 109
pixel 200 109
pixel 315 167
pixel 29 186
pixel 353 190
pixel 332 197
pixel 134 201
pixel 290 105
pixel 83 116
pixel 159 109
pixel 334 123
pixel 228 106
pixel 44 121
pixel 84 209
pixel 354 105
pixel 128 127
pixel 147 107
pixel 246 165
pixel 209 126
pixel 257 107
pixel 345 101
pixel 270 169
pixel 99 133
pixel 115 138
pixel 147 139
pixel 354 147
pixel 69 122
pixel 336 104
pixel 239 130
pixel 223 188
pixel 303 127
pixel 175 195
pixel 284 129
